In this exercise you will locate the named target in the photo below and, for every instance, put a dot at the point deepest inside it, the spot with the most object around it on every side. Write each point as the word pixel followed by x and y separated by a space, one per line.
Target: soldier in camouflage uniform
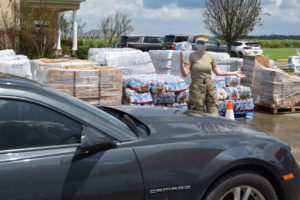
pixel 203 88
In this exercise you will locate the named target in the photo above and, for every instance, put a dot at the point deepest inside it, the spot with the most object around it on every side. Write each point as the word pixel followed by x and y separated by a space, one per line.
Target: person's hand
pixel 240 74
pixel 181 57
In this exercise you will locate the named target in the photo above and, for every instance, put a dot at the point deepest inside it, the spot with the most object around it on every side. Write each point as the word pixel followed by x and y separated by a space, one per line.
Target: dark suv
pixel 144 43
pixel 122 42
pixel 171 40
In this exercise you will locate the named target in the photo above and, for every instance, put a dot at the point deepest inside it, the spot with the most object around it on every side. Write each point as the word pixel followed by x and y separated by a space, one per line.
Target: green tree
pixel 115 25
pixel 231 19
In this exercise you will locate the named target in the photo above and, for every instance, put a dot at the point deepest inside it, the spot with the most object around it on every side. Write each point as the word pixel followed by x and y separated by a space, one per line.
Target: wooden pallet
pixel 277 109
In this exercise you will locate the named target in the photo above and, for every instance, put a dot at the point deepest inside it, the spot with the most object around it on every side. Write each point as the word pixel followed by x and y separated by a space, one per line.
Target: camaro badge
pixel 170 189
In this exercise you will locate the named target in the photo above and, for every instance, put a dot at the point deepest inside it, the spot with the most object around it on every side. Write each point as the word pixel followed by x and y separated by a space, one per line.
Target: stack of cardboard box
pixel 270 87
pixel 96 85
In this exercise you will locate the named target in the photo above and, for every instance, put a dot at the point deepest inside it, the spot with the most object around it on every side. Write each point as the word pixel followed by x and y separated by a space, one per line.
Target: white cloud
pixel 171 18
pixel 284 11
pixel 172 12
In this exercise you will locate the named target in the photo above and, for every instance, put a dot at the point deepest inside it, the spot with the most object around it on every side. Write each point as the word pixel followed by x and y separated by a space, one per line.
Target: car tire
pixel 241 55
pixel 236 185
pixel 233 54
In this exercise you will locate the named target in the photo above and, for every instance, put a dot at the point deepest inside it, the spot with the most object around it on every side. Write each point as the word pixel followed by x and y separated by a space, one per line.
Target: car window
pixel 123 39
pixel 26 125
pixel 91 109
pixel 237 44
pixel 133 39
pixel 213 41
pixel 181 38
pixel 160 39
pixel 169 39
pixel 152 40
pixel 252 44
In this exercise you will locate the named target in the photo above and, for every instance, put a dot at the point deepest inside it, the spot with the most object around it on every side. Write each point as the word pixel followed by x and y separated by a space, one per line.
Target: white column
pixel 74 47
pixel 58 48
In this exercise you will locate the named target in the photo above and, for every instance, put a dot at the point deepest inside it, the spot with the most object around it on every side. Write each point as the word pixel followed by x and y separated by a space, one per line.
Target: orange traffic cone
pixel 229 111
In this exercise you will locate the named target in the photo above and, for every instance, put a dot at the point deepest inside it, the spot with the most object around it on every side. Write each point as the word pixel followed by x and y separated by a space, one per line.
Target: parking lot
pixel 284 127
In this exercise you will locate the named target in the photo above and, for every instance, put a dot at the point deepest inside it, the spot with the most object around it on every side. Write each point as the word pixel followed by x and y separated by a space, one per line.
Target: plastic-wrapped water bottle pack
pixel 222 94
pixel 232 93
pixel 220 81
pixel 156 83
pixel 133 97
pixel 222 106
pixel 232 81
pixel 182 97
pixel 158 87
pixel 244 92
pixel 164 98
pixel 11 63
pixel 244 105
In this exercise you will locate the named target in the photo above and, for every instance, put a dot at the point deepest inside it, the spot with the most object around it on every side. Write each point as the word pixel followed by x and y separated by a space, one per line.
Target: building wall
pixel 5 8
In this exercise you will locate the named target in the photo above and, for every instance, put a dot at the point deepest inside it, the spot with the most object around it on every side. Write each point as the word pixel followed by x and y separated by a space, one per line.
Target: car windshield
pixel 252 44
pixel 96 111
pixel 169 38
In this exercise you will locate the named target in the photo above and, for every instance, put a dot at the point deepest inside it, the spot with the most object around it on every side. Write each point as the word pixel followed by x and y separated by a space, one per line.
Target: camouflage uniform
pixel 203 92
pixel 203 88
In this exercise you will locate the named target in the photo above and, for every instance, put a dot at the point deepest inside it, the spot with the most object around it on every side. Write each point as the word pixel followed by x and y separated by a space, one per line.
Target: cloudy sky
pixel 161 17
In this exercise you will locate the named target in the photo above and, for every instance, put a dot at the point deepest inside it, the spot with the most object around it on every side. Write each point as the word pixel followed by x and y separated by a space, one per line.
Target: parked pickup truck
pixel 144 43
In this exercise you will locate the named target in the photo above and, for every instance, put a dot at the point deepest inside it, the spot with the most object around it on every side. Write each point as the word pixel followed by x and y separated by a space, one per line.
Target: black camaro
pixel 54 147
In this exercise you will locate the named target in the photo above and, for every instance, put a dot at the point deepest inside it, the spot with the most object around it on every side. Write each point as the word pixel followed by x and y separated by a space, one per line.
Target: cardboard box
pixel 111 101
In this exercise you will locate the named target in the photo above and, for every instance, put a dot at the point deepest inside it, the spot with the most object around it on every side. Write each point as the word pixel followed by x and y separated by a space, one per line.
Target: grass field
pixel 280 53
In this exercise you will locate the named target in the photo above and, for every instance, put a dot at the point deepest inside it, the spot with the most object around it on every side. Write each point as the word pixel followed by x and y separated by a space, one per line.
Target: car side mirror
pixel 91 139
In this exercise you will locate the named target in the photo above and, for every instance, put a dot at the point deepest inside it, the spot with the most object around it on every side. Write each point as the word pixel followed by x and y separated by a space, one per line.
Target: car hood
pixel 172 123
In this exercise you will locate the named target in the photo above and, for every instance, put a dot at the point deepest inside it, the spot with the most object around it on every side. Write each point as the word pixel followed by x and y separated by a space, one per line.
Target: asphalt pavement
pixel 285 127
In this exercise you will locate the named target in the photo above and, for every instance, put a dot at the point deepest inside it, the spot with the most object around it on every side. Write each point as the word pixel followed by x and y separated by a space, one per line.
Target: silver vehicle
pixel 241 48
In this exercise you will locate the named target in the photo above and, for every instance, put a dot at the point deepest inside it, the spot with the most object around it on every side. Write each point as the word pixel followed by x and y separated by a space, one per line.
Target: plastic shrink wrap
pixel 232 93
pixel 221 93
pixel 134 97
pixel 236 64
pixel 219 80
pixel 164 98
pixel 270 87
pixel 242 105
pixel 156 83
pixel 184 46
pixel 232 81
pixel 182 97
pixel 82 79
pixel 131 61
pixel 40 67
pixel 162 60
pixel 18 65
pixel 7 52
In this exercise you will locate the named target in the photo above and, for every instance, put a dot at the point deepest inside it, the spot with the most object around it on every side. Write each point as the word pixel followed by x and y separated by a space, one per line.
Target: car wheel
pixel 241 55
pixel 233 54
pixel 242 186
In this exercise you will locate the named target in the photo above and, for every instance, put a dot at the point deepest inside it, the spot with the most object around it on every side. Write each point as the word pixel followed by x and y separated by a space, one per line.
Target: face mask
pixel 201 47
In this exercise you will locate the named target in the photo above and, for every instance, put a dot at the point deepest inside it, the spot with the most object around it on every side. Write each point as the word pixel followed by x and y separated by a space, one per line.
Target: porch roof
pixel 59 5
